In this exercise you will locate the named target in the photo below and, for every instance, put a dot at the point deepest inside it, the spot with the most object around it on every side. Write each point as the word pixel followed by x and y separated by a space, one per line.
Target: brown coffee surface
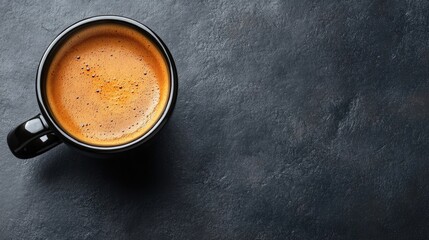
pixel 107 85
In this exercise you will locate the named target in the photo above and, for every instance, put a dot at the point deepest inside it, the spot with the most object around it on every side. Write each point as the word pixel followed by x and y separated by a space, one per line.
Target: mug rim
pixel 51 122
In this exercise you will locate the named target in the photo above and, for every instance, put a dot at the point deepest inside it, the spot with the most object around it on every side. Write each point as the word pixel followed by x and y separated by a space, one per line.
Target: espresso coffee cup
pixel 105 85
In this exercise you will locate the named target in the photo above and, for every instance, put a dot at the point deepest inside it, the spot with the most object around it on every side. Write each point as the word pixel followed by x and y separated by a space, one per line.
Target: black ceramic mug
pixel 43 132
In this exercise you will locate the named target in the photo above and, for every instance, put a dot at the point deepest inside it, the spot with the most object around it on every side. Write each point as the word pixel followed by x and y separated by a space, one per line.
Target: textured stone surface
pixel 295 120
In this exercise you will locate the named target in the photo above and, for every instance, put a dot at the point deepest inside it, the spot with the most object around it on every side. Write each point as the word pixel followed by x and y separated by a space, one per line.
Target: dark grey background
pixel 294 120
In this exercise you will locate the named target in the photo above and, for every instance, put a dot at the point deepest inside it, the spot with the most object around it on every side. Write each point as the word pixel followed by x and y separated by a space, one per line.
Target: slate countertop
pixel 294 120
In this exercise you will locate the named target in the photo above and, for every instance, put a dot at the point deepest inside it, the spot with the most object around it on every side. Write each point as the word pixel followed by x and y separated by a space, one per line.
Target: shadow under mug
pixel 41 133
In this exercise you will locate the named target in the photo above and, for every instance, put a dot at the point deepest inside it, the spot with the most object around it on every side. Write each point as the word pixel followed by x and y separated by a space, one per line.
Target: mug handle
pixel 32 138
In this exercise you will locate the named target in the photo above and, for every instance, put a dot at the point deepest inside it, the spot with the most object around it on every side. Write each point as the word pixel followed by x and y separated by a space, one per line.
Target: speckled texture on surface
pixel 294 120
